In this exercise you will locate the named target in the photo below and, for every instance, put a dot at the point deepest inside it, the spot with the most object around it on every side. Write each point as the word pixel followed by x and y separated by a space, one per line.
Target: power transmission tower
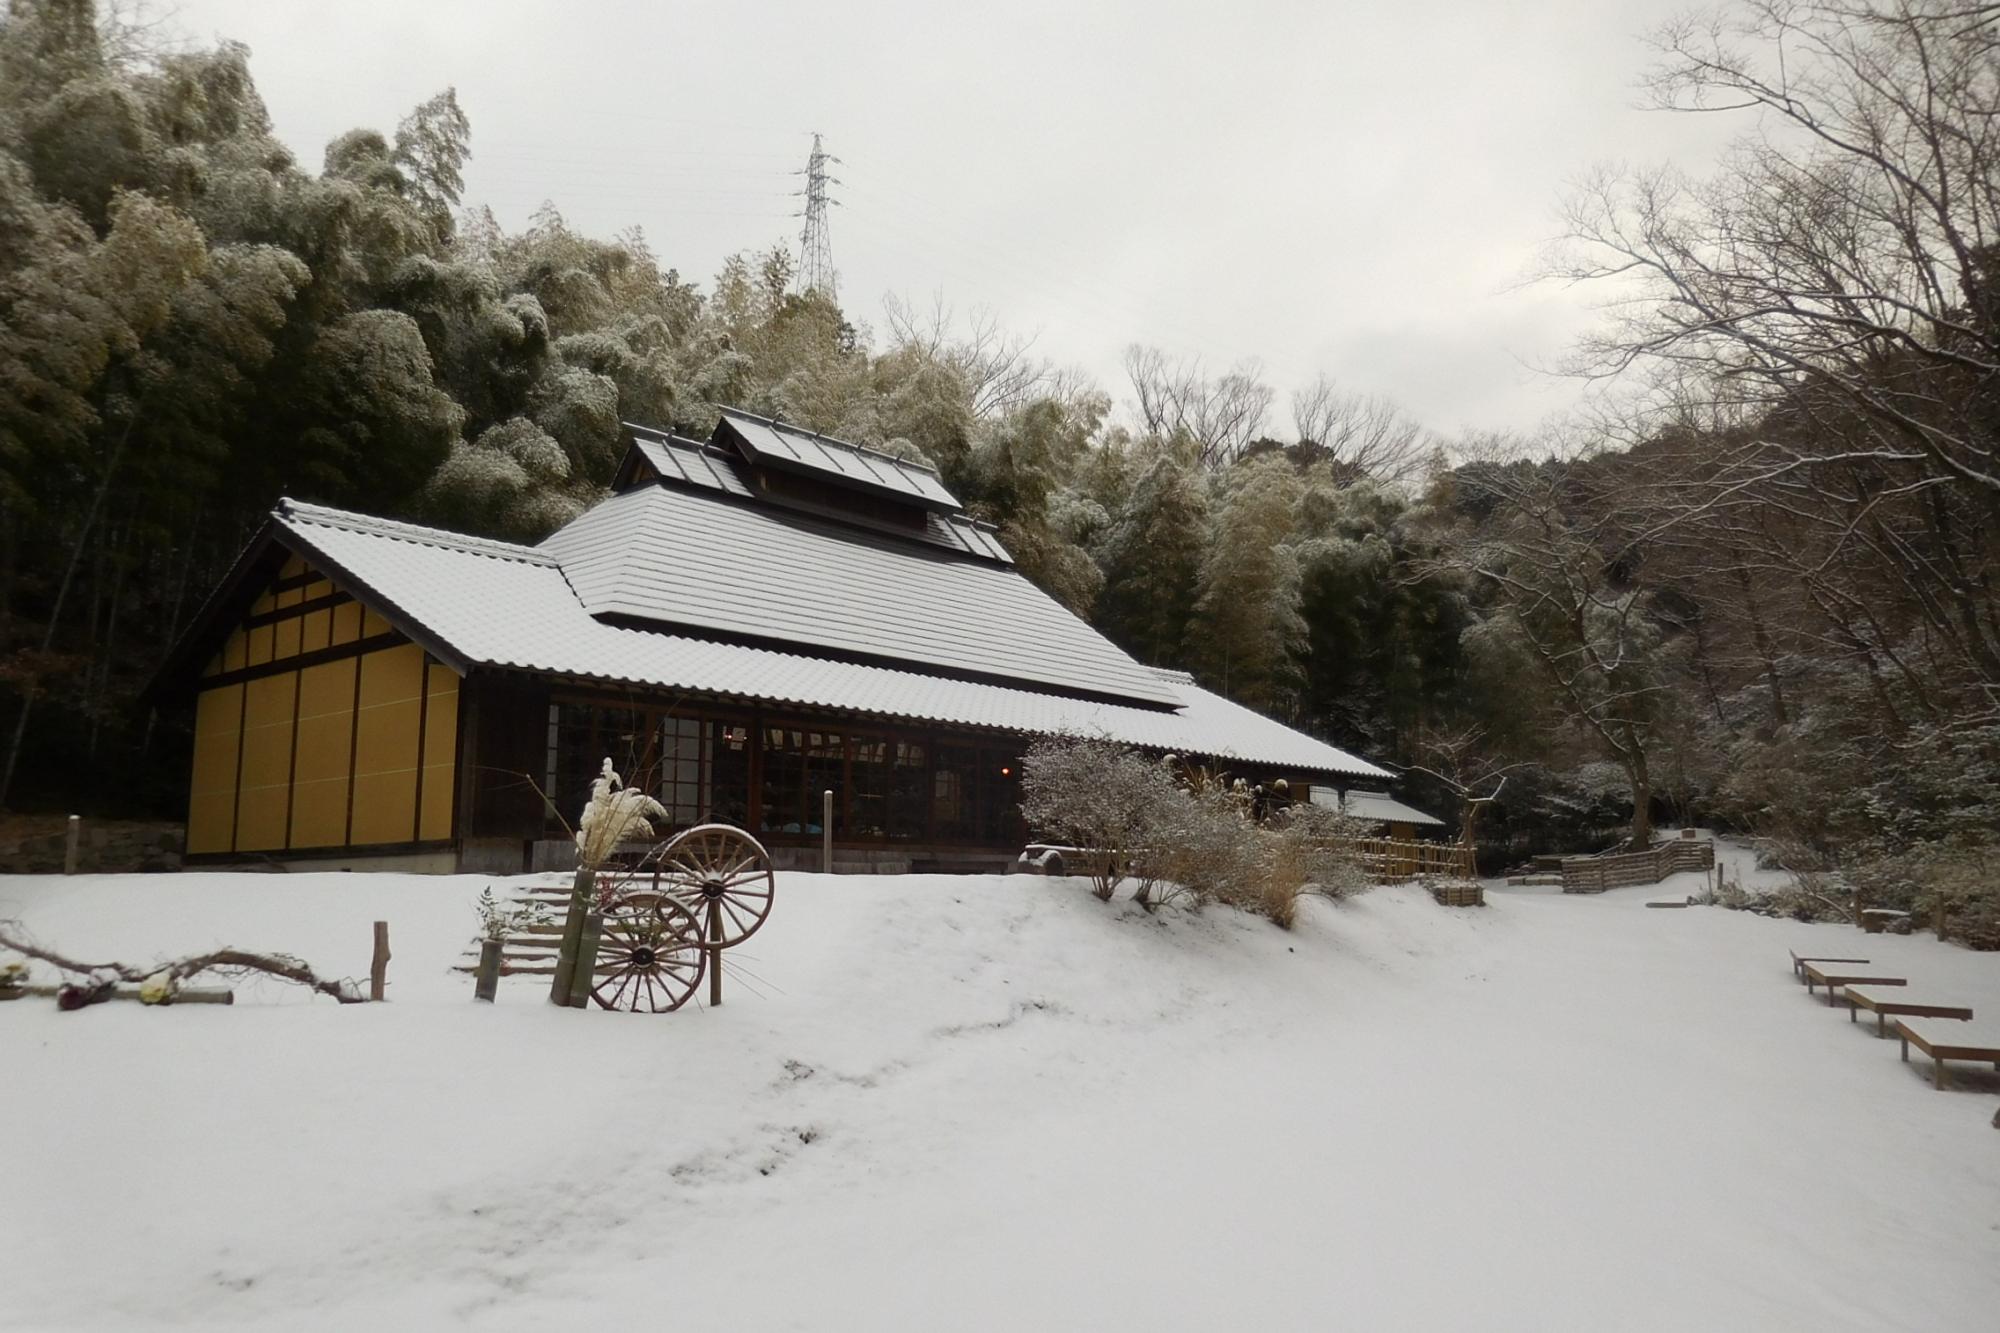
pixel 815 243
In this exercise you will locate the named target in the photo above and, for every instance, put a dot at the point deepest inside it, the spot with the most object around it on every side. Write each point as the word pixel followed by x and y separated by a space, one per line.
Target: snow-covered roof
pixel 836 462
pixel 475 603
pixel 691 464
pixel 1382 808
pixel 686 559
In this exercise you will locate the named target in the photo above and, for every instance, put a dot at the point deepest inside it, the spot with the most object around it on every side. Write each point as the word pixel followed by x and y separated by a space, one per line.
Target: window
pixel 952 789
pixel 698 768
pixel 869 778
pixel 729 774
pixel 683 786
pixel 909 804
pixel 976 795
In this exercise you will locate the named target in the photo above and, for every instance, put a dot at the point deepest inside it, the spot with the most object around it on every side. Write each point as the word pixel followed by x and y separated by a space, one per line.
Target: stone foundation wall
pixel 35 846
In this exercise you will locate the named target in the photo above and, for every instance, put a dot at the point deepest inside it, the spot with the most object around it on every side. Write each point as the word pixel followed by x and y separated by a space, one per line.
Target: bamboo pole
pixel 572 936
pixel 486 982
pixel 585 971
pixel 826 831
pixel 73 845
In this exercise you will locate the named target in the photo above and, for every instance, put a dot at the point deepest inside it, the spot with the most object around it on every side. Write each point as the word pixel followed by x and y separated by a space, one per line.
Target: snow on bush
pixel 1190 841
pixel 1098 796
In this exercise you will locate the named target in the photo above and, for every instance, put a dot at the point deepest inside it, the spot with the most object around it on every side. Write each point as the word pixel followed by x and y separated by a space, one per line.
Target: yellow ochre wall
pixel 359 750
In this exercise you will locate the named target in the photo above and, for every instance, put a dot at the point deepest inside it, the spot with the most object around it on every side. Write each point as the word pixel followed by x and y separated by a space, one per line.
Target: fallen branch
pixel 165 978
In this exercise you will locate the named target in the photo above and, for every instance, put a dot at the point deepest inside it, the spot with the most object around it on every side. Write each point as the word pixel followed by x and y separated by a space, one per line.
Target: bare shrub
pixel 1098 796
pixel 1326 841
pixel 1183 843
pixel 1204 844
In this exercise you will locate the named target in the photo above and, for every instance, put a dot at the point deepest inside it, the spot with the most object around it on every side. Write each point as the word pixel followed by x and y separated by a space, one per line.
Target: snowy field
pixel 984 1103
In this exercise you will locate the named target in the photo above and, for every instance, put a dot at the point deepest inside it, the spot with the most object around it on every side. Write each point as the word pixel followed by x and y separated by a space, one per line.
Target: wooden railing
pixel 1595 874
pixel 1392 860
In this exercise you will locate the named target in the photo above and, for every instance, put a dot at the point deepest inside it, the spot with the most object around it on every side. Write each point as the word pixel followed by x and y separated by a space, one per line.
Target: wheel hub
pixel 643 956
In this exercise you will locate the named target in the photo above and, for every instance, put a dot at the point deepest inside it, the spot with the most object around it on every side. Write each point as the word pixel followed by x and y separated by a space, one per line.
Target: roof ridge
pixel 922 465
pixel 326 515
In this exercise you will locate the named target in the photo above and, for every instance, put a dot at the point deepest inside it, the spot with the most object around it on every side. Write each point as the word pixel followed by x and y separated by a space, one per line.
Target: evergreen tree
pixel 1245 634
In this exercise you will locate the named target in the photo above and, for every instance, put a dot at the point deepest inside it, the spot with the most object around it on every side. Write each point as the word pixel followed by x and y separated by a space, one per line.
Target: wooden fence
pixel 1392 860
pixel 1595 874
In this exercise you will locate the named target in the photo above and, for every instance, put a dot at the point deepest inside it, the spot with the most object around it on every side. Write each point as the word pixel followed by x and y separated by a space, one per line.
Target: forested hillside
pixel 1762 591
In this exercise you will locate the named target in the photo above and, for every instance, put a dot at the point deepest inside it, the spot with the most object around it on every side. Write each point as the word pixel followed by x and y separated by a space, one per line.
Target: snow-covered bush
pixel 1190 840
pixel 1205 845
pixel 1326 838
pixel 1926 881
pixel 1102 797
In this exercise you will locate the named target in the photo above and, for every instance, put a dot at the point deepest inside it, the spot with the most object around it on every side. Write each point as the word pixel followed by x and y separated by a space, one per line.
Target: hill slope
pixel 997 1103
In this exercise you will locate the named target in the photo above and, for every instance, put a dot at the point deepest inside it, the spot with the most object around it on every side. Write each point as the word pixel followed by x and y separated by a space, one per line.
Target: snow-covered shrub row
pixel 1182 836
pixel 1952 881
pixel 1926 881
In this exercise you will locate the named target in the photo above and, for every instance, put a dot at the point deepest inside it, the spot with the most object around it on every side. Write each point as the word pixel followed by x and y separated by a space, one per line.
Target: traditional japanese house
pixel 745 623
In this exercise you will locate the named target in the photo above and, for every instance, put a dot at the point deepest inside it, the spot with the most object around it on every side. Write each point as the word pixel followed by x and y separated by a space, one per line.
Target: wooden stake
pixel 714 952
pixel 73 845
pixel 378 967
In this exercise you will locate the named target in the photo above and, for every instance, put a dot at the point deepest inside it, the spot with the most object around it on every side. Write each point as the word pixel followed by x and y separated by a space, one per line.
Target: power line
pixel 816 272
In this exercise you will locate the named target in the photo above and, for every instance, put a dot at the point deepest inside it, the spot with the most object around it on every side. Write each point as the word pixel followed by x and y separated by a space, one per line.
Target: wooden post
pixel 826 831
pixel 714 952
pixel 73 844
pixel 486 981
pixel 585 974
pixel 579 898
pixel 378 967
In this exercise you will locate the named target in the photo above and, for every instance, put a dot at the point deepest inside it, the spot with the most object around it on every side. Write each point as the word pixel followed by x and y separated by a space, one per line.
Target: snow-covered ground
pixel 986 1103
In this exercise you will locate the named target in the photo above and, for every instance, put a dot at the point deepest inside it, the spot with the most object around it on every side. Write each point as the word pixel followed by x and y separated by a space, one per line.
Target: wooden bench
pixel 1954 1042
pixel 1800 960
pixel 1825 972
pixel 1885 1003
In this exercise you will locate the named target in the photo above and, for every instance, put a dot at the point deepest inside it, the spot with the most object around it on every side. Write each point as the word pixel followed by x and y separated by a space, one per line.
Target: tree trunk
pixel 1762 640
pixel 1642 790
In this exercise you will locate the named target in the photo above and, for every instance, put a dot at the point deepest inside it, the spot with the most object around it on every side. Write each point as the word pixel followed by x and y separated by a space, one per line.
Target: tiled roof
pixel 708 467
pixel 690 559
pixel 479 603
pixel 689 462
pixel 1382 808
pixel 776 444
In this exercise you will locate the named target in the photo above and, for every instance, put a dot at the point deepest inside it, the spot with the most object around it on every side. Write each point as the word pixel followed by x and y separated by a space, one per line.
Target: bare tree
pixel 1459 758
pixel 998 367
pixel 1220 415
pixel 1361 434
pixel 1847 246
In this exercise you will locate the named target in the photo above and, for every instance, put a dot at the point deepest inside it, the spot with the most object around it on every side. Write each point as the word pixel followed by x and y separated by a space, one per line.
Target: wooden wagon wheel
pixel 650 959
pixel 723 877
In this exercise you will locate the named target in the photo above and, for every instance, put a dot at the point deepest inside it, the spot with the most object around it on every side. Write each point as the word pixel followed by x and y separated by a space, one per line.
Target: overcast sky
pixel 1356 189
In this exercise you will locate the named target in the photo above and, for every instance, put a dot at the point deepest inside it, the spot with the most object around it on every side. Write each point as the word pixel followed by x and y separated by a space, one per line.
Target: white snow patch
pixel 995 1103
